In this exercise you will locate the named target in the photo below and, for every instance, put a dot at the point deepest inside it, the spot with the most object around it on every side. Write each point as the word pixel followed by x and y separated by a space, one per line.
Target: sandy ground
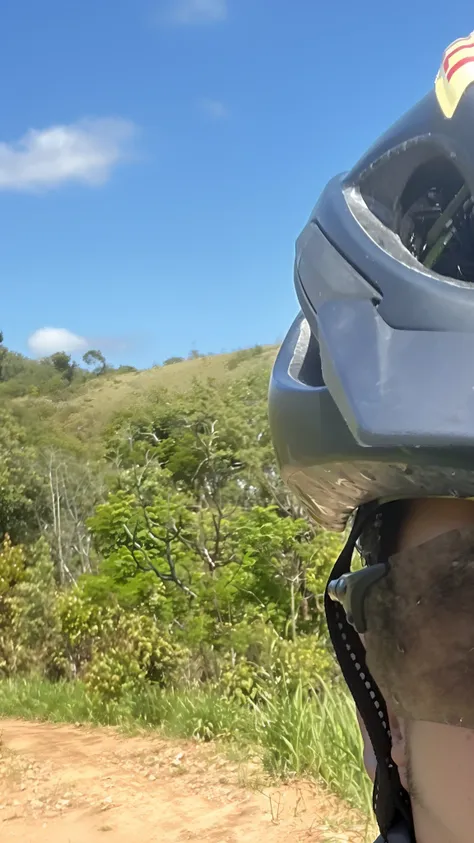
pixel 66 784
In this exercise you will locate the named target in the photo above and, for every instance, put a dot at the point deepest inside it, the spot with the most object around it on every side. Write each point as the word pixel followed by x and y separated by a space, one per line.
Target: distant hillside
pixel 79 411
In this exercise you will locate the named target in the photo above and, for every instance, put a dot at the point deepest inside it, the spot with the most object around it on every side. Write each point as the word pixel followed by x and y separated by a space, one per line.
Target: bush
pixel 242 355
pixel 131 651
pixel 171 360
pixel 243 681
pixel 30 638
pixel 304 662
pixel 113 649
pixel 278 666
pixel 125 370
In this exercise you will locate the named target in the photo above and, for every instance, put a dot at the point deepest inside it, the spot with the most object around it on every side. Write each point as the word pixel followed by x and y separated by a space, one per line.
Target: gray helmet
pixel 372 393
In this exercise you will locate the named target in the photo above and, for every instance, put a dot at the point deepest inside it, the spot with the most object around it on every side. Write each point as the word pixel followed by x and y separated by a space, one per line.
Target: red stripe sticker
pixel 452 53
pixel 458 65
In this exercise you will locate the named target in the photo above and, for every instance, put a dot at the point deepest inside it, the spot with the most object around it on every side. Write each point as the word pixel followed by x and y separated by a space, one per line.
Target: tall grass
pixel 296 734
pixel 315 736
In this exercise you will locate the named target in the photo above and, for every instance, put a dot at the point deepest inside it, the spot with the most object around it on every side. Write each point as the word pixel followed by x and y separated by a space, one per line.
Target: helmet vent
pixel 419 194
pixel 436 222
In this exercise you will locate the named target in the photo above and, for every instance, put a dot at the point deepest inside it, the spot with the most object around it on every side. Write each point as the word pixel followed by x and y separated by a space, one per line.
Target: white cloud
pixel 190 12
pixel 215 109
pixel 85 151
pixel 48 341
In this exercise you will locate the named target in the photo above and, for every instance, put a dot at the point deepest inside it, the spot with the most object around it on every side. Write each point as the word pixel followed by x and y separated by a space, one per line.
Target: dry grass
pixel 88 411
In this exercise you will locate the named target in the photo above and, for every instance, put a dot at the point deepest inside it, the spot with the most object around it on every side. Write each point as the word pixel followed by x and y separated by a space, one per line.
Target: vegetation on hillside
pixel 158 557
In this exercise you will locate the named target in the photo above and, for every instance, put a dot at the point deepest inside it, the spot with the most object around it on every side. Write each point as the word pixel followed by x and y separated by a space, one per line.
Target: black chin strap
pixel 390 800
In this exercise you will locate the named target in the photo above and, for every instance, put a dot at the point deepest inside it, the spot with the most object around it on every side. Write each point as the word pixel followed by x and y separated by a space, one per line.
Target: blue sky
pixel 158 159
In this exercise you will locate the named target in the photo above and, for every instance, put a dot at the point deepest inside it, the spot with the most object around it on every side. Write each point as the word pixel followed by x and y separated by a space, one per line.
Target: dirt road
pixel 64 784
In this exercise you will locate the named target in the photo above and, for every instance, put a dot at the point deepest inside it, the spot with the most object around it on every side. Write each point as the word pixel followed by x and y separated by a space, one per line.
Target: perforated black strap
pixel 391 802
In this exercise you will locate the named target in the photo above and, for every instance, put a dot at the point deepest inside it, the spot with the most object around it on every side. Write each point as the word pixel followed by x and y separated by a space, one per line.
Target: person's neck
pixel 428 828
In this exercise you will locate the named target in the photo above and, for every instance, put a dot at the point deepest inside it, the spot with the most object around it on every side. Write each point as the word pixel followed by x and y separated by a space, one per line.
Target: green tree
pixel 178 557
pixel 64 365
pixel 95 361
pixel 22 487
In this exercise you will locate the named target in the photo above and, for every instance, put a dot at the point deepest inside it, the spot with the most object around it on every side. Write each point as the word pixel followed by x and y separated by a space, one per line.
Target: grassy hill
pixel 80 412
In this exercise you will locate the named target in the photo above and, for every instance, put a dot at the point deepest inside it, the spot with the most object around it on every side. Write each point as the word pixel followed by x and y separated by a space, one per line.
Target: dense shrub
pixel 180 561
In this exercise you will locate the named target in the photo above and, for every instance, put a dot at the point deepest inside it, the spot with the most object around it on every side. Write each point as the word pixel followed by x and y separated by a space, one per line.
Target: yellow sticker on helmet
pixel 455 74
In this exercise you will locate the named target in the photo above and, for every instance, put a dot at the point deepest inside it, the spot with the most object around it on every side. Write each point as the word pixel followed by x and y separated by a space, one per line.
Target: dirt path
pixel 64 784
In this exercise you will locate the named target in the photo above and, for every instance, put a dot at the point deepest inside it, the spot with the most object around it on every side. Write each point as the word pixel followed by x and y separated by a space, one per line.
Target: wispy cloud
pixel 192 12
pixel 48 341
pixel 215 109
pixel 85 151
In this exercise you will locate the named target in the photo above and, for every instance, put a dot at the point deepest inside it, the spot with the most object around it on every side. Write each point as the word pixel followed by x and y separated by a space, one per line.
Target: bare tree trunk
pixel 72 499
pixel 293 608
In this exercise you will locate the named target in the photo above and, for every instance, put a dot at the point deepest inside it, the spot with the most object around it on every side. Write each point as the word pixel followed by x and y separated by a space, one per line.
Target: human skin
pixel 435 761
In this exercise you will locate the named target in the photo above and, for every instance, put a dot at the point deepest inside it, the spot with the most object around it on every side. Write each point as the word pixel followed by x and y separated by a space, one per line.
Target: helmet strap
pixel 391 802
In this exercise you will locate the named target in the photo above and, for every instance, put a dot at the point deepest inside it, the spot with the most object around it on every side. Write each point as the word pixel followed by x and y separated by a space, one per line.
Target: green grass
pixel 315 736
pixel 294 734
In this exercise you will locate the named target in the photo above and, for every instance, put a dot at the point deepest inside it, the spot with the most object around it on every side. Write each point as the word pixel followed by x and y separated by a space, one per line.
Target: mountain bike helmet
pixel 372 393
